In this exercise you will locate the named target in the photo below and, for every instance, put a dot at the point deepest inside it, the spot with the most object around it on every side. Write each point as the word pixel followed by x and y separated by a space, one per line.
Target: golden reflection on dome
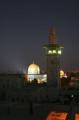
pixel 33 69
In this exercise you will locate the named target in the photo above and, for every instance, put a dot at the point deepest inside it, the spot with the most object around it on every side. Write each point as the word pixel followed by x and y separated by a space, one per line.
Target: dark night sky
pixel 24 30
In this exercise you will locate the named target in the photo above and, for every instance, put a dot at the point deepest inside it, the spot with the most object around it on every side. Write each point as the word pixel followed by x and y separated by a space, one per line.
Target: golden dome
pixel 33 69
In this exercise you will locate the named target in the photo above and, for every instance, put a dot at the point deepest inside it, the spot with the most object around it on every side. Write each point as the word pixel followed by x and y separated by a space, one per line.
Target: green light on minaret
pixel 59 52
pixel 54 52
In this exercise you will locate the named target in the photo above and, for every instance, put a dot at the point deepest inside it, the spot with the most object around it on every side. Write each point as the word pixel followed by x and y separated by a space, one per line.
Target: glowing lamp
pixel 50 52
pixel 59 52
pixel 54 51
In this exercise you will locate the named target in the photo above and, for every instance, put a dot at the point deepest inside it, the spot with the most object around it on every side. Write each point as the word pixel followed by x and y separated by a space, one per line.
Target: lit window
pixel 59 52
pixel 54 51
pixel 50 52
pixel 62 73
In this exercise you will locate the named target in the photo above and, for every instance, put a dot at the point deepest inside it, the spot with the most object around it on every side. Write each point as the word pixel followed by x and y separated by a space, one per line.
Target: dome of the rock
pixel 33 72
pixel 33 69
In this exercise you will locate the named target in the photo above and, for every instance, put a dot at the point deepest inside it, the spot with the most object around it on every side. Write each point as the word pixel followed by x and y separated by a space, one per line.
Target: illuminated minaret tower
pixel 53 53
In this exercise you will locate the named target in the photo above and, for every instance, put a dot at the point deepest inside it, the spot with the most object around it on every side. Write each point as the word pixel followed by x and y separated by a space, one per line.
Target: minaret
pixel 53 53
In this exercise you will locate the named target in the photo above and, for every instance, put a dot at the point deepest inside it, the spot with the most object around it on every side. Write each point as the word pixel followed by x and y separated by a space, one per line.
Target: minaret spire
pixel 52 36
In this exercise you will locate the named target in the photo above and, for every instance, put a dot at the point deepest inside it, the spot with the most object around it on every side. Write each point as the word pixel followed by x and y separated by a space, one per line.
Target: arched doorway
pixel 57 116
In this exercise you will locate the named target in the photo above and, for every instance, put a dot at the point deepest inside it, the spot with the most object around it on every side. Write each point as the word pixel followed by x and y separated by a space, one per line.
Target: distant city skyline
pixel 24 30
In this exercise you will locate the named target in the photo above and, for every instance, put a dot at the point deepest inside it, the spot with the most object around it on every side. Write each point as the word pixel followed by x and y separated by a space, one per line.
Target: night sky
pixel 24 28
